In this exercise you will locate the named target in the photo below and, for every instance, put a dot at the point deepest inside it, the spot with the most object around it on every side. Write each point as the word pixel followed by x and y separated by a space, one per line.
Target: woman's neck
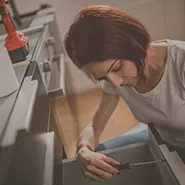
pixel 153 67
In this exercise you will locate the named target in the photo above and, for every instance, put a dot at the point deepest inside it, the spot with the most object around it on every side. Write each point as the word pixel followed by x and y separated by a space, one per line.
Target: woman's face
pixel 117 72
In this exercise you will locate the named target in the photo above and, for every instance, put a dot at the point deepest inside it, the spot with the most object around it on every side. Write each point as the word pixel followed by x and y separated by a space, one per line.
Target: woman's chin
pixel 133 84
pixel 127 85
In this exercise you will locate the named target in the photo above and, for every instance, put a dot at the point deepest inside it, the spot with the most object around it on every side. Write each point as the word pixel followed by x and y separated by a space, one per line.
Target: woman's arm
pixel 92 132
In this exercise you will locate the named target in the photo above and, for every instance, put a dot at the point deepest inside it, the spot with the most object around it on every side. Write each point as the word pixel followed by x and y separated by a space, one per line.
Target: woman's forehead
pixel 99 64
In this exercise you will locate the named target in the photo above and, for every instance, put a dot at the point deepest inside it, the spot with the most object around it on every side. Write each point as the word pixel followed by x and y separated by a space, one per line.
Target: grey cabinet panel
pixel 32 161
pixel 22 111
pixel 40 116
pixel 7 103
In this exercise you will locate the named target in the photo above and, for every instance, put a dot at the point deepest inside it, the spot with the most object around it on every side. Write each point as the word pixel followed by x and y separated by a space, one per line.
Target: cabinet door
pixel 32 160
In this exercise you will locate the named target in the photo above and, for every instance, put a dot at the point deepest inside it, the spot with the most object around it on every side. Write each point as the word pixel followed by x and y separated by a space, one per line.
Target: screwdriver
pixel 127 165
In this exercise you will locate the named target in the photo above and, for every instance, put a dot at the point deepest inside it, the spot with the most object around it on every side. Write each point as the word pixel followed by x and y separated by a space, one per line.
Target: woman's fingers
pixel 96 166
pixel 92 176
pixel 102 164
pixel 99 172
pixel 110 160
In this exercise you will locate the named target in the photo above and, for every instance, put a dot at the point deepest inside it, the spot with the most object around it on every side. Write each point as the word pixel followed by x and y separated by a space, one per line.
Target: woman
pixel 115 48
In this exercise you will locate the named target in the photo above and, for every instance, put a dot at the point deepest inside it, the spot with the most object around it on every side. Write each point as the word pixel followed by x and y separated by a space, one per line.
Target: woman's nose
pixel 114 79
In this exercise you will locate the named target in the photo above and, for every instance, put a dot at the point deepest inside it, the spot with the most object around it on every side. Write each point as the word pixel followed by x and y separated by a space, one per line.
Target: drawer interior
pixel 142 175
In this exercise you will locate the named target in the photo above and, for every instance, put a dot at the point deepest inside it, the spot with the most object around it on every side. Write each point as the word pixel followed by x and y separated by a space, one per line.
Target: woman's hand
pixel 96 166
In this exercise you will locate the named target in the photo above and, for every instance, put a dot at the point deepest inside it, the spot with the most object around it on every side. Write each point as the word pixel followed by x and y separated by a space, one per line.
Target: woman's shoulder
pixel 177 44
pixel 177 51
pixel 177 57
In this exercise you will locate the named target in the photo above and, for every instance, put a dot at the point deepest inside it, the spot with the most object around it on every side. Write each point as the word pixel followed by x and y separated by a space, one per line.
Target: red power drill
pixel 15 43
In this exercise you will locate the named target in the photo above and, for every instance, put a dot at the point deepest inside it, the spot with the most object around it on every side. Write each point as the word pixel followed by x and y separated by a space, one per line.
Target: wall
pixel 163 19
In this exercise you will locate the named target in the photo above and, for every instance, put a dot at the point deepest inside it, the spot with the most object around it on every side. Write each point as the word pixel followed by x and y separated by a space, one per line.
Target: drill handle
pixel 6 17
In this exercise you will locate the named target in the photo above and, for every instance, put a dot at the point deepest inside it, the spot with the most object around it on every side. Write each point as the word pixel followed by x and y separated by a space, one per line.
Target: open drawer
pixel 155 174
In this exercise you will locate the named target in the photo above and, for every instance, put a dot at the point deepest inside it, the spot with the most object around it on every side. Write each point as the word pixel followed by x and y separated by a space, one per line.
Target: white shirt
pixel 165 104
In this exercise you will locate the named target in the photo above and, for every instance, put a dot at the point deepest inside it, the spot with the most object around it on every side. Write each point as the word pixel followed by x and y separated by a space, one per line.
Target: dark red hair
pixel 99 33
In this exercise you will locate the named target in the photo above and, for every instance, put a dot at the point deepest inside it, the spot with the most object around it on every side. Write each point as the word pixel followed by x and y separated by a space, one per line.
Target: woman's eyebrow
pixel 103 77
pixel 111 66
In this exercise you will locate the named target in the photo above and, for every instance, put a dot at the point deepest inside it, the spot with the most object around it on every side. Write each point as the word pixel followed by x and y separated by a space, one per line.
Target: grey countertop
pixel 7 103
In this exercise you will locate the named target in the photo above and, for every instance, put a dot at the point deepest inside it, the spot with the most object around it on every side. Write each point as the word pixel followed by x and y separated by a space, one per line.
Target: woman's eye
pixel 117 69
